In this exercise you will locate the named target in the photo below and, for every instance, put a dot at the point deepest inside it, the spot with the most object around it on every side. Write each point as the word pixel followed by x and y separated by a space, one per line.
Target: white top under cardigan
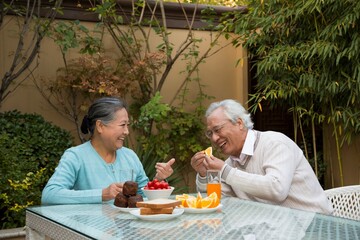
pixel 276 173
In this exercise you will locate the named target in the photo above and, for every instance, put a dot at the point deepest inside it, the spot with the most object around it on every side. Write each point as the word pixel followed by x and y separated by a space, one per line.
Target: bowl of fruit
pixel 157 189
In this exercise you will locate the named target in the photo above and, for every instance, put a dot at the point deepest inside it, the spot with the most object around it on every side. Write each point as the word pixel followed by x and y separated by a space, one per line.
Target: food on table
pixel 216 199
pixel 189 201
pixel 159 203
pixel 183 199
pixel 134 199
pixel 156 185
pixel 128 197
pixel 157 206
pixel 152 211
pixel 208 151
pixel 121 200
pixel 130 188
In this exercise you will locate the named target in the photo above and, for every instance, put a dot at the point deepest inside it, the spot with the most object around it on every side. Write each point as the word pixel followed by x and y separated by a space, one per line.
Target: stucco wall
pixel 219 73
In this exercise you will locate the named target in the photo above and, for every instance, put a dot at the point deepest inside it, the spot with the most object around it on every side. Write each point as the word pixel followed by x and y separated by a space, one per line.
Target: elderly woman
pixel 93 171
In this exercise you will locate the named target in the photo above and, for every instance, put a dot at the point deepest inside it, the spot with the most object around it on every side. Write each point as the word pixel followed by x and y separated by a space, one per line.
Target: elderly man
pixel 266 167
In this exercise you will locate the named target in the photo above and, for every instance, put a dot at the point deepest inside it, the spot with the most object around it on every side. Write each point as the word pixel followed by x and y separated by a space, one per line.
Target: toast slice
pixel 159 203
pixel 152 211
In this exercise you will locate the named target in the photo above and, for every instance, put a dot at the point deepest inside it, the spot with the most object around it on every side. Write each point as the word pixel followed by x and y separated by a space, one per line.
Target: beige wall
pixel 220 75
pixel 350 156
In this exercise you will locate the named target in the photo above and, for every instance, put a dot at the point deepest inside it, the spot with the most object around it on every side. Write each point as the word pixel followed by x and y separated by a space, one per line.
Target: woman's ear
pixel 99 126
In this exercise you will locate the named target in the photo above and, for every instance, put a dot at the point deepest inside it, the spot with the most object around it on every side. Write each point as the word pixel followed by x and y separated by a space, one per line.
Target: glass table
pixel 237 219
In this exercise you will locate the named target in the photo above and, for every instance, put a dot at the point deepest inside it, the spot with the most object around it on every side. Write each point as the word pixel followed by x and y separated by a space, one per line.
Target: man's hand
pixel 197 162
pixel 201 162
pixel 213 163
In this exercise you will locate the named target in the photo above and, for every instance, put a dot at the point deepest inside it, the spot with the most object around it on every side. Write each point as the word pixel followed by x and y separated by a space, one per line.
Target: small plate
pixel 158 217
pixel 202 210
pixel 125 209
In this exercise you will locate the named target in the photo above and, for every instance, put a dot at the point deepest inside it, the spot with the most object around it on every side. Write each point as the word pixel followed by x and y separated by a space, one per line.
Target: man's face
pixel 229 137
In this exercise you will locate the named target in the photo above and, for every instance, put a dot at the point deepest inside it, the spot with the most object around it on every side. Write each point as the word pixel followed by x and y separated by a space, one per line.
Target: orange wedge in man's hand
pixel 208 151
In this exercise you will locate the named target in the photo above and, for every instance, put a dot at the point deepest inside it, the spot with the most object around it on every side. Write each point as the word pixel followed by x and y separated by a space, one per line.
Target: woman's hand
pixel 111 191
pixel 198 163
pixel 164 170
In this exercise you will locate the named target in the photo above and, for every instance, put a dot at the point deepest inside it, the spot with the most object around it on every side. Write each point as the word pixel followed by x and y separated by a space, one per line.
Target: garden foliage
pixel 30 150
pixel 307 56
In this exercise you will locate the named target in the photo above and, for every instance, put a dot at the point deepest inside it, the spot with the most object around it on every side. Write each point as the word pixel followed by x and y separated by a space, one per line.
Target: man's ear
pixel 240 122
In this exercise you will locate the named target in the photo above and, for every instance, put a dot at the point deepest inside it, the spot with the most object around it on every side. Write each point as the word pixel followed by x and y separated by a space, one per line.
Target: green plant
pixel 175 133
pixel 229 3
pixel 307 56
pixel 30 150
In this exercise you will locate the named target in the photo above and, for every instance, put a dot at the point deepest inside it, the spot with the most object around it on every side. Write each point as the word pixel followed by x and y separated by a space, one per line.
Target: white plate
pixel 202 210
pixel 124 209
pixel 158 217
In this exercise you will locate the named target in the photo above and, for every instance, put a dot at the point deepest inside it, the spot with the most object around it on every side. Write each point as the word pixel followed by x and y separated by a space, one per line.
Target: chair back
pixel 345 201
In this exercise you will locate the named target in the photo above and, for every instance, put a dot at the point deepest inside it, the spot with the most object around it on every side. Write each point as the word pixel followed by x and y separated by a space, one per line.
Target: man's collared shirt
pixel 248 148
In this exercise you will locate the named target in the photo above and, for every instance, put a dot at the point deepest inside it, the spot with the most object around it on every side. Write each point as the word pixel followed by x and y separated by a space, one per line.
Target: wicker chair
pixel 345 201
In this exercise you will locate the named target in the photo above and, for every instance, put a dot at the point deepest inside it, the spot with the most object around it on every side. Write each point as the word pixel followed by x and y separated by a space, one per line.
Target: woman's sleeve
pixel 60 187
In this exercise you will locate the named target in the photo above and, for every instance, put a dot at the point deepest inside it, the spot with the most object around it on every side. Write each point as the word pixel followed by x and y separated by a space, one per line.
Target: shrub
pixel 166 132
pixel 30 150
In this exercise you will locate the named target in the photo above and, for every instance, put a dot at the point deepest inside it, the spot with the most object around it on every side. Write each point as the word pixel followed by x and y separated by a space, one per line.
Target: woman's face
pixel 113 134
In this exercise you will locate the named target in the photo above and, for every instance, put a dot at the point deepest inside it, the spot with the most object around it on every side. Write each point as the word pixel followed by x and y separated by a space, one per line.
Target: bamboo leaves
pixel 308 56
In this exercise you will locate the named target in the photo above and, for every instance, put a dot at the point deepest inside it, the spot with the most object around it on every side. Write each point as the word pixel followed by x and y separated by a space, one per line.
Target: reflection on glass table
pixel 236 219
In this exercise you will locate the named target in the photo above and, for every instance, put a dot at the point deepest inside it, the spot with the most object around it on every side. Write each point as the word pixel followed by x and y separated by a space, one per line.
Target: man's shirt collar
pixel 248 148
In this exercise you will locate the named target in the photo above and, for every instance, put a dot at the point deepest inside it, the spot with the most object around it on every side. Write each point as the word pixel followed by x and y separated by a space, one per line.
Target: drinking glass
pixel 213 182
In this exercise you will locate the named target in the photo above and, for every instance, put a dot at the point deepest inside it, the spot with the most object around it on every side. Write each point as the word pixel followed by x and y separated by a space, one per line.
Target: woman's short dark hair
pixel 102 109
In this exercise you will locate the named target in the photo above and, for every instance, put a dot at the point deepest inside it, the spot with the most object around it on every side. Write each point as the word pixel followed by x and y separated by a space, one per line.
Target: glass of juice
pixel 213 182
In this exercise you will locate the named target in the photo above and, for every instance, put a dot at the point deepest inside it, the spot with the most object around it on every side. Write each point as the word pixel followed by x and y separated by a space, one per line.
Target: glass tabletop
pixel 236 219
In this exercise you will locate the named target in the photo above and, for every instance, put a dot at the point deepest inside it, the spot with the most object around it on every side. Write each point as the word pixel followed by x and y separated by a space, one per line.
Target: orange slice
pixel 215 199
pixel 208 151
pixel 206 202
pixel 191 202
pixel 183 199
pixel 198 200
